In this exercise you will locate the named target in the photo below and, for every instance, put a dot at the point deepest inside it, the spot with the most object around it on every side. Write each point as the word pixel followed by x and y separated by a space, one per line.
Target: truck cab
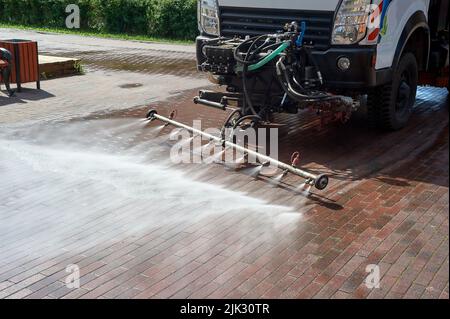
pixel 380 49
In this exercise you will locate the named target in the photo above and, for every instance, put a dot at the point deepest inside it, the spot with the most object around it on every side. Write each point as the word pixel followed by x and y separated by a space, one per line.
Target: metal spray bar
pixel 318 181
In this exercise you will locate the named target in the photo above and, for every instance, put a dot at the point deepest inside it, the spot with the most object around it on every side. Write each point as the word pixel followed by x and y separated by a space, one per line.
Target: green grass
pixel 97 34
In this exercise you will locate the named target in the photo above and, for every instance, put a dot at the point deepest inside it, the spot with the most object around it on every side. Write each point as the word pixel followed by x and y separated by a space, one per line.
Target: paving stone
pixel 80 171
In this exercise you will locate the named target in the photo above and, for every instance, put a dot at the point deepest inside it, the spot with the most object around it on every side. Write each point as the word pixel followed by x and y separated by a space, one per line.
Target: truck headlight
pixel 208 17
pixel 350 25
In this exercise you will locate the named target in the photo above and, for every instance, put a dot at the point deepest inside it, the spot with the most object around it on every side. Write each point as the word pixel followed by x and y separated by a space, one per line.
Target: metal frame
pixel 318 181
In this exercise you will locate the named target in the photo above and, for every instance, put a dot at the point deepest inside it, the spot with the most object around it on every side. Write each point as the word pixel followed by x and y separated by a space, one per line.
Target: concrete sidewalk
pixel 119 75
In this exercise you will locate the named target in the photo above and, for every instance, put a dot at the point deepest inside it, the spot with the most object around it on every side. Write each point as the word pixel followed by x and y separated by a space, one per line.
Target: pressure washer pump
pixel 266 74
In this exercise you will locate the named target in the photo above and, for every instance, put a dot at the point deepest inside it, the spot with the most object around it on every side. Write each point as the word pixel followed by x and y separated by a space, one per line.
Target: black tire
pixel 390 106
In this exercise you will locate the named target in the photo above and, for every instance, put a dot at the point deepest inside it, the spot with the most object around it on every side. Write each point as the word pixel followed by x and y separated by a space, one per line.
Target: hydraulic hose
pixel 248 117
pixel 253 40
pixel 270 57
pixel 291 92
pixel 227 122
pixel 248 100
pixel 314 62
pixel 250 65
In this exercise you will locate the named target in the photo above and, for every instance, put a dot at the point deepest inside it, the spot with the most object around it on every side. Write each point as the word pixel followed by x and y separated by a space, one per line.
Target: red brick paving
pixel 387 205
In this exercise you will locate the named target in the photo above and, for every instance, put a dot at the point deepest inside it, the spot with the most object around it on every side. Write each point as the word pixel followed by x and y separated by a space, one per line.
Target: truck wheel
pixel 390 106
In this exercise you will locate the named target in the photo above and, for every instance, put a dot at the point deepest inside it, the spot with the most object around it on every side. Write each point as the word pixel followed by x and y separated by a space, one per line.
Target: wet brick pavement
pixel 85 181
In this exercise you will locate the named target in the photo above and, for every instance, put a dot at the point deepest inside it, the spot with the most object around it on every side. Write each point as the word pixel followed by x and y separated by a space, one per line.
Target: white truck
pixel 285 55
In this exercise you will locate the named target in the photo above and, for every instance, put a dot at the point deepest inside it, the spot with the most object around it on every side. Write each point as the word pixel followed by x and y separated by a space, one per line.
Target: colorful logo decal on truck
pixel 378 14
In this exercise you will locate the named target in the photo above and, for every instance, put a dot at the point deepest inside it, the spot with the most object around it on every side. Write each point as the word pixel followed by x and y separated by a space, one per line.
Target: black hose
pixel 231 116
pixel 244 118
pixel 282 73
pixel 248 60
pixel 291 92
pixel 245 61
pixel 222 133
pixel 246 93
pixel 315 64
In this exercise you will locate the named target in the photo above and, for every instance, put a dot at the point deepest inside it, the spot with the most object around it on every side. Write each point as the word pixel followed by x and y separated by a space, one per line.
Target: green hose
pixel 270 57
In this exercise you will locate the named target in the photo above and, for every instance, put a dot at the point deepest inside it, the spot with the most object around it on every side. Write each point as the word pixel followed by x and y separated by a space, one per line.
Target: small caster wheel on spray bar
pixel 151 115
pixel 322 182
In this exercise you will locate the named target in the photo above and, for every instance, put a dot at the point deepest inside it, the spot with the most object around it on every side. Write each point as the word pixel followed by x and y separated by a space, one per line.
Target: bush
pixel 157 18
pixel 175 18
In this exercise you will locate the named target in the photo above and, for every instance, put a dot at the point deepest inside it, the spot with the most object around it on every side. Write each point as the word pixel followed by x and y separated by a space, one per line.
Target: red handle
pixel 295 159
pixel 173 115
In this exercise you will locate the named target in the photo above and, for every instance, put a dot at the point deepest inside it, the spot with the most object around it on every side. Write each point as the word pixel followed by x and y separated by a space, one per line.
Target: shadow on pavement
pixel 24 96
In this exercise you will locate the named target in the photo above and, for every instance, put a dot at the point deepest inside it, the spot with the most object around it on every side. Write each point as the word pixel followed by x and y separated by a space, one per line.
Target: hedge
pixel 157 18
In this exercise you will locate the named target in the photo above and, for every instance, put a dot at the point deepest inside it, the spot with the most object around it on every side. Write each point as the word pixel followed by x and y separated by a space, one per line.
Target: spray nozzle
pixel 172 116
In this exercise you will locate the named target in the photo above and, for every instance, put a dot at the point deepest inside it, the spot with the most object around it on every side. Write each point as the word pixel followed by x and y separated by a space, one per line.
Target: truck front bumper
pixel 359 76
